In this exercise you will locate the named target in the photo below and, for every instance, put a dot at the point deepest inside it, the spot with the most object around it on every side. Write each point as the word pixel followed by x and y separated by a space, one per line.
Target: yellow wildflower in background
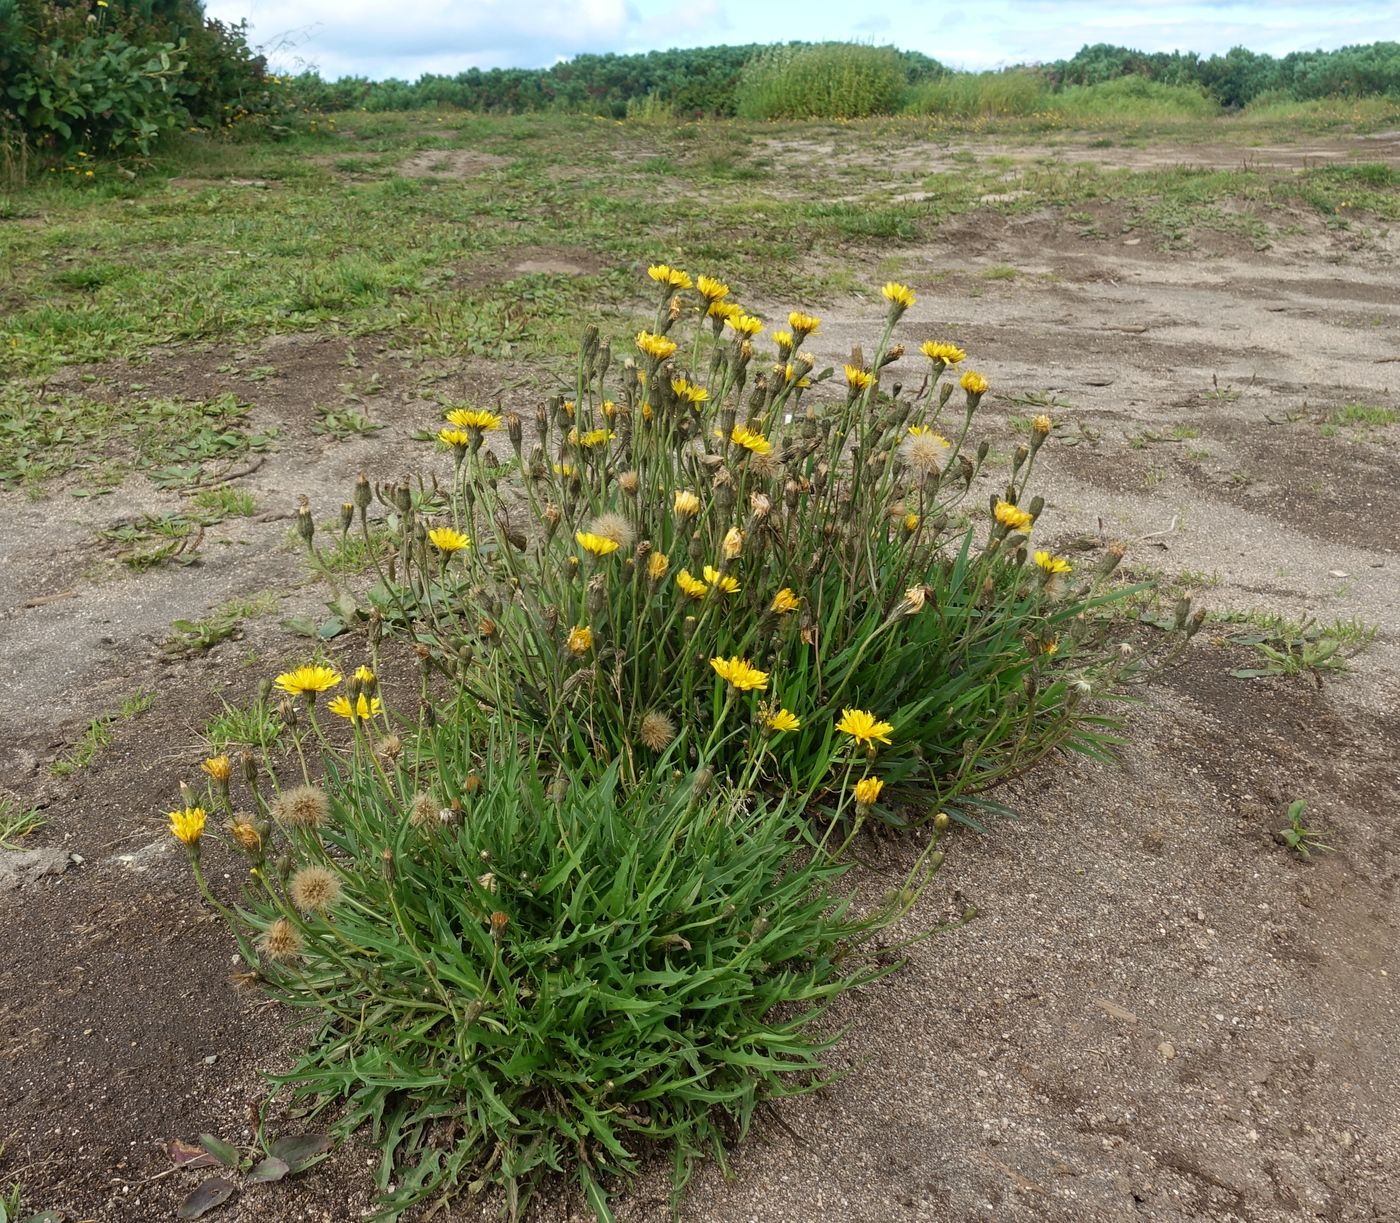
pixel 657 346
pixel 593 437
pixel 785 601
pixel 187 825
pixel 937 350
pixel 364 707
pixel 598 545
pixel 749 440
pixel 745 324
pixel 686 503
pixel 445 539
pixel 657 566
pixel 580 639
pixel 803 324
pixel 307 681
pixel 867 790
pixel 911 522
pixel 783 339
pixel 739 674
pixel 784 720
pixel 364 674
pixel 473 418
pixel 219 768
pixel 454 437
pixel 711 290
pixel 900 297
pixel 1012 517
pixel 720 581
pixel 1052 563
pixel 724 310
pixel 691 586
pixel 689 391
pixel 857 378
pixel 863 726
pixel 733 543
pixel 666 275
pixel 973 383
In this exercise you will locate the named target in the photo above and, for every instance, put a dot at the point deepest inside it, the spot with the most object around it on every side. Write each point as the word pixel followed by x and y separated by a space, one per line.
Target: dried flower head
pixel 422 810
pixel 739 674
pixel 246 835
pixel 733 543
pixel 447 540
pixel 657 565
pixel 685 503
pixel 922 450
pixel 282 942
pixel 615 527
pixel 314 889
pixel 302 807
pixel 913 601
pixel 629 482
pixel 580 639
pixel 1042 424
pixel 656 731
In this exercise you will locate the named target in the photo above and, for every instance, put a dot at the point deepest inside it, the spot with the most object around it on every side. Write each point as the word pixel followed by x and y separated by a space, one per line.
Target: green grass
pixel 224 622
pixel 17 822
pixel 1364 414
pixel 252 726
pixel 99 734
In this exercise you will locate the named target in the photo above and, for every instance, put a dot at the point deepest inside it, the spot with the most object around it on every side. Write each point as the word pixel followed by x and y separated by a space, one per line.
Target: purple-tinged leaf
pixel 213 1192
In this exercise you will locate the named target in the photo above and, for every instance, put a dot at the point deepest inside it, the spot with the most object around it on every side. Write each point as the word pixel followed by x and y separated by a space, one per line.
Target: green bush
pixel 974 95
pixel 1133 98
pixel 825 81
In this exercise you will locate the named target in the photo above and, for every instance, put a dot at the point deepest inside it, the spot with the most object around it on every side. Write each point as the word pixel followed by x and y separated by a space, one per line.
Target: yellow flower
pixel 911 522
pixel 1049 648
pixel 739 675
pixel 454 437
pixel 711 290
pixel 789 375
pixel 691 586
pixel 863 727
pixel 1052 563
pixel 750 440
pixel 689 391
pixel 307 681
pixel 364 674
pixel 187 825
pixel 219 768
pixel 900 297
pixel 784 720
pixel 657 346
pixel 1041 424
pixel 857 377
pixel 783 339
pixel 599 545
pixel 594 437
pixel 785 601
pixel 445 539
pixel 666 275
pixel 580 639
pixel 365 707
pixel 724 311
pixel 473 418
pixel 868 790
pixel 806 324
pixel 686 503
pixel 564 469
pixel 733 543
pixel 936 350
pixel 657 566
pixel 973 383
pixel 723 582
pixel 745 324
pixel 1011 517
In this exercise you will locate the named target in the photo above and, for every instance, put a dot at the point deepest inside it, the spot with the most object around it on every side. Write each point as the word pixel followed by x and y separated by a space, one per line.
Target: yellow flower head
pixel 720 581
pixel 863 726
pixel 580 639
pixel 938 351
pixel 925 431
pixel 307 681
pixel 364 674
pixel 1012 517
pixel 784 720
pixel 599 545
pixel 733 543
pixel 593 437
pixel 657 566
pixel 657 346
pixel 745 324
pixel 689 391
pixel 868 790
pixel 911 522
pixel 857 378
pixel 1051 647
pixel 219 768
pixel 1041 424
pixel 473 418
pixel 187 825
pixel 672 278
pixel 1051 563
pixel 973 383
pixel 900 297
pixel 364 707
pixel 749 440
pixel 783 339
pixel 725 310
pixel 785 601
pixel 686 503
pixel 803 324
pixel 790 375
pixel 711 290
pixel 691 586
pixel 445 539
pixel 454 437
pixel 739 675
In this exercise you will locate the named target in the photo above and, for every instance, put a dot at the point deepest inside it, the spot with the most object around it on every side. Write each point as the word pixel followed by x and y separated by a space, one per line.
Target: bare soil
pixel 1159 1012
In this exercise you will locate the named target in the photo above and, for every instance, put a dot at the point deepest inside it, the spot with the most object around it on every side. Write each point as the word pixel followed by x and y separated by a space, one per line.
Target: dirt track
pixel 1160 1013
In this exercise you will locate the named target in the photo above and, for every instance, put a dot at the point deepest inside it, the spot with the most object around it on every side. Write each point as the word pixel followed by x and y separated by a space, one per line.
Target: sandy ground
pixel 1159 1014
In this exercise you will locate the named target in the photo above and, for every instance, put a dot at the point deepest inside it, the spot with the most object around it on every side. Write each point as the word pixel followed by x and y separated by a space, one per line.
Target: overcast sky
pixel 410 37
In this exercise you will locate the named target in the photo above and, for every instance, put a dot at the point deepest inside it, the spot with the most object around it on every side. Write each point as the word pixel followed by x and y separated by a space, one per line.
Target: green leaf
pixel 212 1193
pixel 225 1153
pixel 268 1170
pixel 300 1149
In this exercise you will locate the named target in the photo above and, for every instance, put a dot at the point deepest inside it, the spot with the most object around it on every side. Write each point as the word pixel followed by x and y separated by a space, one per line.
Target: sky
pixel 410 37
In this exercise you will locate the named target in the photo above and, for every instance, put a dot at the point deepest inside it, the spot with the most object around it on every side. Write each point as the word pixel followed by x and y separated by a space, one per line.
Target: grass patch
pixel 250 726
pixel 223 623
pixel 17 822
pixel 99 734
pixel 1368 414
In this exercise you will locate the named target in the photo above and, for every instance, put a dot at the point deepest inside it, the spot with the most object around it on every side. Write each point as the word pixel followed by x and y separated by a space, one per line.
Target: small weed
pixel 153 540
pixel 1363 414
pixel 1000 271
pixel 341 423
pixel 1293 647
pixel 222 623
pixel 99 734
pixel 1301 839
pixel 17 822
pixel 226 502
pixel 254 726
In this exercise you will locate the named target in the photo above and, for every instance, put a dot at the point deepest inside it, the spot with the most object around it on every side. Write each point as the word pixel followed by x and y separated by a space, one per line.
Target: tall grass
pixel 1023 92
pixel 825 81
pixel 1276 107
pixel 1133 98
pixel 975 95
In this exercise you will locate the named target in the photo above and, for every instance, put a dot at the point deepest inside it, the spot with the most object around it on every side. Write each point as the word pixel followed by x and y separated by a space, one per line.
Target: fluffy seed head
pixel 282 942
pixel 614 527
pixel 422 810
pixel 302 807
pixel 656 731
pixel 314 889
pixel 923 452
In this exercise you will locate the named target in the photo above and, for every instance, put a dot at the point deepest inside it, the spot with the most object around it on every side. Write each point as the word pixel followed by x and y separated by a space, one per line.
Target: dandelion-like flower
pixel 456 438
pixel 580 639
pixel 784 601
pixel 973 383
pixel 803 325
pixel 900 297
pixel 301 807
pixel 911 522
pixel 710 289
pixel 364 674
pixel 1042 424
pixel 941 353
pixel 308 681
pixel 591 438
pixel 753 442
pixel 746 325
pixel 314 889
pixel 364 707
pixel 856 378
pixel 669 277
pixel 1012 517
pixel 187 825
pixel 688 391
pixel 867 790
pixel 473 418
pixel 282 942
pixel 598 545
pixel 685 503
pixel 721 581
pixel 1051 563
pixel 657 565
pixel 724 311
pixel 447 540
pixel 218 768
pixel 422 810
pixel 863 727
pixel 656 731
pixel 739 674
pixel 615 527
pixel 783 720
pixel 656 346
pixel 922 450
pixel 691 586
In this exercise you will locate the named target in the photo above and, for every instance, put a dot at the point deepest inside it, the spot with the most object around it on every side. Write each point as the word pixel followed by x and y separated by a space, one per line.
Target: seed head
pixel 656 731
pixel 314 889
pixel 282 942
pixel 614 527
pixel 302 807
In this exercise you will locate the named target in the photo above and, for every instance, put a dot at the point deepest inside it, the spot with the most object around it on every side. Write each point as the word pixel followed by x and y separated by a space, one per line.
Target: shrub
pixel 972 95
pixel 510 972
pixel 822 81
